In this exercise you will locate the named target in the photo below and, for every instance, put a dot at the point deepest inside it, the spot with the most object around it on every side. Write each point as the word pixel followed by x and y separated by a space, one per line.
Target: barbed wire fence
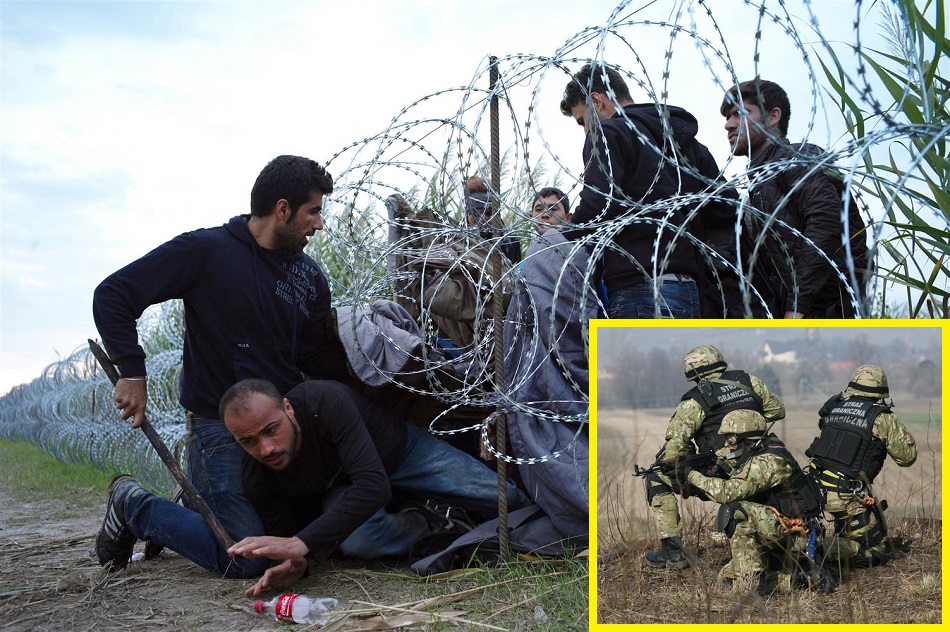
pixel 431 147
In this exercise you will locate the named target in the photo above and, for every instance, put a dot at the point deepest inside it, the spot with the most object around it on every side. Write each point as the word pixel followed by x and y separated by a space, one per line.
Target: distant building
pixel 776 352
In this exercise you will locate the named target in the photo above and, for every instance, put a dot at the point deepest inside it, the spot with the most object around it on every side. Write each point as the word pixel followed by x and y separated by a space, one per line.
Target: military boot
pixel 669 555
pixel 765 584
pixel 867 558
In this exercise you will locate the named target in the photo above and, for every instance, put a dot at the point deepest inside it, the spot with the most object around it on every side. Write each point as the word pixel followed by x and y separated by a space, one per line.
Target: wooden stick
pixel 166 456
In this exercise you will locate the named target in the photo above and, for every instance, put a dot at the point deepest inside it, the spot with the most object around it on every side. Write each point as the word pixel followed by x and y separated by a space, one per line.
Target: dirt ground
pixel 49 580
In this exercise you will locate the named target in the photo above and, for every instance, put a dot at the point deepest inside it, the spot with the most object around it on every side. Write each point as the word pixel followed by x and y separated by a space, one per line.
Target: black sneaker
pixel 115 541
pixel 153 550
pixel 456 520
pixel 441 517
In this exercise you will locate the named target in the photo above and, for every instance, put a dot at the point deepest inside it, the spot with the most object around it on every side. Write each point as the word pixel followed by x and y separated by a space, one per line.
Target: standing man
pixel 767 504
pixel 798 211
pixel 255 305
pixel 858 431
pixel 718 392
pixel 637 159
pixel 322 464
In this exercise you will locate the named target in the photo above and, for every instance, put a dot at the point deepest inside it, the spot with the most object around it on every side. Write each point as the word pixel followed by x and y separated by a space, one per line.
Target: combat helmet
pixel 744 423
pixel 868 381
pixel 703 361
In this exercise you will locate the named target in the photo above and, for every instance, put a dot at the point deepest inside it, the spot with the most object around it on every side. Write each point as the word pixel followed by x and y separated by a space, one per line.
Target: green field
pixel 27 473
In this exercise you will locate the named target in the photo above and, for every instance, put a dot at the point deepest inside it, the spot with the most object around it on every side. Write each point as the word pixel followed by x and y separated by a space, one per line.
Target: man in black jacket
pixel 653 189
pixel 254 305
pixel 814 260
pixel 322 464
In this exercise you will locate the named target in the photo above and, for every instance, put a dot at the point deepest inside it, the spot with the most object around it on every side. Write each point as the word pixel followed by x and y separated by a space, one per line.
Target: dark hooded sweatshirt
pixel 624 174
pixel 249 312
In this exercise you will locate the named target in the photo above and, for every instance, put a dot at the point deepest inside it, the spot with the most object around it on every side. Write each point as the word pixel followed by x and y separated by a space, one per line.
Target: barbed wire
pixel 425 155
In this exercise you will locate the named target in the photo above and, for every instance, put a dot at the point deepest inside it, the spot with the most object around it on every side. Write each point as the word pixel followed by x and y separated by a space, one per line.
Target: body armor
pixel 799 496
pixel 846 445
pixel 717 396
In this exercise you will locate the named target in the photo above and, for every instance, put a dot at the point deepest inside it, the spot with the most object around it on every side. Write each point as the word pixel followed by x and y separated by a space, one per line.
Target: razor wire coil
pixel 424 155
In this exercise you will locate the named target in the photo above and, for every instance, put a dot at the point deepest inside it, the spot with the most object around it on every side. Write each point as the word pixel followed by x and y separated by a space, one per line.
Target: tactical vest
pixel 716 399
pixel 846 444
pixel 797 497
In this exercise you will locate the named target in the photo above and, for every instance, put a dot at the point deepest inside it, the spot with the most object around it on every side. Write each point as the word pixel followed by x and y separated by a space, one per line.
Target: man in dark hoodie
pixel 813 262
pixel 637 158
pixel 255 305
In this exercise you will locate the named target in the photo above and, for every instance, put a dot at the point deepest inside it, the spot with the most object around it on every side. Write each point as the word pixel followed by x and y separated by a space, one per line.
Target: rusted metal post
pixel 501 426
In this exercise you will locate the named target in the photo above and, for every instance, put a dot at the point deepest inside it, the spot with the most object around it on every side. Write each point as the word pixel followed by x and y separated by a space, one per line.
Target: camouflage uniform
pixel 683 427
pixel 757 527
pixel 858 533
pixel 767 483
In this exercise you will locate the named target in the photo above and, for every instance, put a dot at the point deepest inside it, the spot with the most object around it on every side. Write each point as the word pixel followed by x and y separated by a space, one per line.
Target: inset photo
pixel 767 473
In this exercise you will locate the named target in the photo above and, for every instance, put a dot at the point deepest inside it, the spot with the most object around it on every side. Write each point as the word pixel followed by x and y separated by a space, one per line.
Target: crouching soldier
pixel 858 431
pixel 717 392
pixel 770 507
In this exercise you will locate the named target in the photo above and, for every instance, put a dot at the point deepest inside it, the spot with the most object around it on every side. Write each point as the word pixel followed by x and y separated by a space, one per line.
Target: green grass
pixel 556 590
pixel 27 472
pixel 922 418
pixel 543 595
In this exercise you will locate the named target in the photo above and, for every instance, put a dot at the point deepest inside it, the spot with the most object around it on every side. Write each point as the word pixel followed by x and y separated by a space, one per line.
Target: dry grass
pixel 906 590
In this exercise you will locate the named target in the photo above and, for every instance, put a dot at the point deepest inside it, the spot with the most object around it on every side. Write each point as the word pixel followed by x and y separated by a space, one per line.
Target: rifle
pixel 663 466
pixel 877 507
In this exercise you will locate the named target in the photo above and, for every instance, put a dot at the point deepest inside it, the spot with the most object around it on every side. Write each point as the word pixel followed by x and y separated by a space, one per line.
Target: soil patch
pixel 49 580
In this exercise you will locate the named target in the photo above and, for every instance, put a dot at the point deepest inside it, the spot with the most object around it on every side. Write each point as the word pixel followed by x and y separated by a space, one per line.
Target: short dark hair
pixel 236 397
pixel 293 178
pixel 591 78
pixel 765 94
pixel 561 196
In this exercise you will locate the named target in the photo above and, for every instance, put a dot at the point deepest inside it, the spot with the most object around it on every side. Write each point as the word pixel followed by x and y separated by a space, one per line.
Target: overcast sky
pixel 124 124
pixel 614 339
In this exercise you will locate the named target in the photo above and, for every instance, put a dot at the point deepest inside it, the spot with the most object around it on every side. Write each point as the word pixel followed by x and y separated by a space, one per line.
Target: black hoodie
pixel 249 312
pixel 625 175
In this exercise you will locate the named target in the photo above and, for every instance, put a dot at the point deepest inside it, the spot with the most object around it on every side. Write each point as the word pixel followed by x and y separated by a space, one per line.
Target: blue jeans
pixel 431 469
pixel 678 299
pixel 214 467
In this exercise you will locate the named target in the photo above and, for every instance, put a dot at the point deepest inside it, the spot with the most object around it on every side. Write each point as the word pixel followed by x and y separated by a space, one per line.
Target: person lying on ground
pixel 324 463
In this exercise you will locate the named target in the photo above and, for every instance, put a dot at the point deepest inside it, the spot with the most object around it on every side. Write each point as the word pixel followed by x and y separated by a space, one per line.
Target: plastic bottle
pixel 295 608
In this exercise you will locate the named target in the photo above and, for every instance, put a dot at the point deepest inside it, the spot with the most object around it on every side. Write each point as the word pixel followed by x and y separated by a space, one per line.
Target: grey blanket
pixel 379 340
pixel 546 379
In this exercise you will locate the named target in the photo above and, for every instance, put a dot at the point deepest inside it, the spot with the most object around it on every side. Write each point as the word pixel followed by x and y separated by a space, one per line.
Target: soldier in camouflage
pixel 767 501
pixel 697 419
pixel 858 431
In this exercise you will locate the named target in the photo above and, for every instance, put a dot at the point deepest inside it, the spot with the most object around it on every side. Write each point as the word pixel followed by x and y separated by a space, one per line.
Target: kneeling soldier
pixel 768 503
pixel 858 431
pixel 697 418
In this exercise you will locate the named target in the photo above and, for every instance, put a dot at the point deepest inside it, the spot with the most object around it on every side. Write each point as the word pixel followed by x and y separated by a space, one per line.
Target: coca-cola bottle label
pixel 284 608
